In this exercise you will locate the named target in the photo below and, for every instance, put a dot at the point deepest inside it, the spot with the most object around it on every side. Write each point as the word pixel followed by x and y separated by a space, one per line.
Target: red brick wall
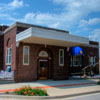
pixel 59 72
pixel 91 51
pixel 1 51
pixel 88 51
pixel 29 72
pixel 56 72
pixel 10 41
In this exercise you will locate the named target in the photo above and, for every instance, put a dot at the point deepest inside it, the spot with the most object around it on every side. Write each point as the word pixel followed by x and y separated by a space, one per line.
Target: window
pixel 76 60
pixel 8 56
pixel 71 61
pixel 26 55
pixel 43 54
pixel 61 57
pixel 92 60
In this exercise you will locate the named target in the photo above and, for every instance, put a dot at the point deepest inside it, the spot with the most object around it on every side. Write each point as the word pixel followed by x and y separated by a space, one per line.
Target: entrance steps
pixel 88 77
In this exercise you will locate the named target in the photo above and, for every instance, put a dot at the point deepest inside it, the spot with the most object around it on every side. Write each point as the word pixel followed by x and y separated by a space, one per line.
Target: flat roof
pixel 20 24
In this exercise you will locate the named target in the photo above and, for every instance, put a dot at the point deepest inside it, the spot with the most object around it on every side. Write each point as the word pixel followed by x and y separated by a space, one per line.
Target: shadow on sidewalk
pixel 6 81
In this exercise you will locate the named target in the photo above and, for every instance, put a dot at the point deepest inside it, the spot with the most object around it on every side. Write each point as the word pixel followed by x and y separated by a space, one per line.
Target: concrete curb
pixel 45 97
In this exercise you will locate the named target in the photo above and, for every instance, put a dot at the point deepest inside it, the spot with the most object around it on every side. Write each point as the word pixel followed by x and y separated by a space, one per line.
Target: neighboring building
pixel 36 52
pixel 2 28
pixel 99 66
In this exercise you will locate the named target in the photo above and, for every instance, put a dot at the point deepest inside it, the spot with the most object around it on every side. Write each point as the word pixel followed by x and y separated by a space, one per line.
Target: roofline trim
pixel 31 25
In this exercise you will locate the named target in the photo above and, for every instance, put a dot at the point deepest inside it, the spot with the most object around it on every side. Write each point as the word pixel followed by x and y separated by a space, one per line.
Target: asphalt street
pixel 95 96
pixel 86 97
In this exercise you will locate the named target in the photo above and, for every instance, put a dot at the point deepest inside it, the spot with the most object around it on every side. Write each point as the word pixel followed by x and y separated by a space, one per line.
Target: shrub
pixel 28 91
pixel 98 82
pixel 7 92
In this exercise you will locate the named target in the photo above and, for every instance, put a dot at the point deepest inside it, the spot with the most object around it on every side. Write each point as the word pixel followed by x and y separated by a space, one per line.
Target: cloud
pixel 7 10
pixel 96 35
pixel 72 12
pixel 29 17
pixel 87 26
pixel 16 4
pixel 81 5
pixel 92 21
pixel 5 7
pixel 55 25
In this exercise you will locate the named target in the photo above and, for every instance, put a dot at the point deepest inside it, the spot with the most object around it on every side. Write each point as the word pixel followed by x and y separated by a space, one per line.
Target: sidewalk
pixel 63 91
pixel 57 88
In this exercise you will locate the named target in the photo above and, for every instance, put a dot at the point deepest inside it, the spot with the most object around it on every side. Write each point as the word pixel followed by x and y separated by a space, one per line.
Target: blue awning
pixel 76 51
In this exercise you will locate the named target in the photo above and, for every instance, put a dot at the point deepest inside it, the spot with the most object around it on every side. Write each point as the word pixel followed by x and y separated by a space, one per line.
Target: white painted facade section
pixel 23 35
pixel 50 37
pixel 94 46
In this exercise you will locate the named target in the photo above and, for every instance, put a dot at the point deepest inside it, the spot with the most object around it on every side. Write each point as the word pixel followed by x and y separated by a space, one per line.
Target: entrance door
pixel 43 69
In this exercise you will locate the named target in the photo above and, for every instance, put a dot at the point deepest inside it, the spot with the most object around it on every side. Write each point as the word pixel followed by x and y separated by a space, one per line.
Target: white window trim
pixel 73 64
pixel 77 65
pixel 93 60
pixel 28 55
pixel 71 61
pixel 7 63
pixel 63 57
pixel 40 54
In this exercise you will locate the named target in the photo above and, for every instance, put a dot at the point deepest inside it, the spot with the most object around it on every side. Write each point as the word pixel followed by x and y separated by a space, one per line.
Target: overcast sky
pixel 79 17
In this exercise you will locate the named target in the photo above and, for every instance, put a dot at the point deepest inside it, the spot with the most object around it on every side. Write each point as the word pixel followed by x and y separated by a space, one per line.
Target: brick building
pixel 36 52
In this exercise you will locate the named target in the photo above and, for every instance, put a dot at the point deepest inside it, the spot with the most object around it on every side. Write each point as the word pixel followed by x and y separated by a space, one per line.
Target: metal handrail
pixel 84 69
pixel 89 66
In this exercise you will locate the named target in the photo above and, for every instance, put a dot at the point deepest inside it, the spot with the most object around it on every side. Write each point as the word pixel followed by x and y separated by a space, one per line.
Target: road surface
pixel 86 97
pixel 95 96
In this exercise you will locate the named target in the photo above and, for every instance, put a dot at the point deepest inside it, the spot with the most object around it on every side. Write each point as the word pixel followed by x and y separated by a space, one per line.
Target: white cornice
pixel 50 35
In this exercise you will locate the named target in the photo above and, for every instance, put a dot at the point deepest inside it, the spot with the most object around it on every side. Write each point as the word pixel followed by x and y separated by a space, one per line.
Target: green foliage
pixel 7 92
pixel 28 91
pixel 98 82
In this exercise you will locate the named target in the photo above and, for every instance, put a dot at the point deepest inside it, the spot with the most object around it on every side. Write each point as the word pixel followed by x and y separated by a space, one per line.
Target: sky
pixel 79 17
